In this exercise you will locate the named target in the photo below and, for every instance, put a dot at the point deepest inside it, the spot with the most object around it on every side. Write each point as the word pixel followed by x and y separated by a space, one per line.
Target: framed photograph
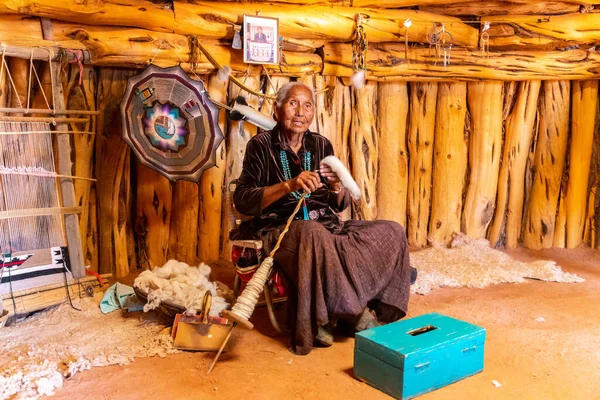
pixel 261 40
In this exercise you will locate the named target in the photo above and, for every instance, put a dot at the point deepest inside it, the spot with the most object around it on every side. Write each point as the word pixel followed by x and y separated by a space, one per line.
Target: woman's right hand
pixel 307 180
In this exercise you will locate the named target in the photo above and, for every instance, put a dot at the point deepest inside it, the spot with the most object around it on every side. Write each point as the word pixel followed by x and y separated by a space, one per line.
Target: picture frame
pixel 261 40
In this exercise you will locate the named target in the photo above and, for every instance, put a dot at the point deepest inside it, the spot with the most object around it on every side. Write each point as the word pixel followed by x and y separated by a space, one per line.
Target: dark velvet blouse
pixel 263 167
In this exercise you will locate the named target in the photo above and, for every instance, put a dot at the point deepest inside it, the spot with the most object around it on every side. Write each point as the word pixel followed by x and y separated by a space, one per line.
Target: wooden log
pixel 30 300
pixel 82 97
pixel 113 174
pixel 183 237
pixel 364 149
pixel 589 233
pixel 595 189
pixel 481 9
pixel 19 70
pixel 423 99
pixel 211 187
pixel 506 225
pixel 130 47
pixel 333 116
pixel 91 240
pixel 595 243
pixel 560 230
pixel 141 13
pixel 427 4
pixel 450 159
pixel 485 106
pixel 216 20
pixel 401 3
pixel 541 209
pixel 392 125
pixel 239 135
pixel 12 26
pixel 64 166
pixel 387 60
pixel 585 100
pixel 154 203
pixel 535 32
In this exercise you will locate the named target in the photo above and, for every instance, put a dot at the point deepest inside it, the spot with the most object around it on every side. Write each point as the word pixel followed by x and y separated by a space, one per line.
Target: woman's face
pixel 297 110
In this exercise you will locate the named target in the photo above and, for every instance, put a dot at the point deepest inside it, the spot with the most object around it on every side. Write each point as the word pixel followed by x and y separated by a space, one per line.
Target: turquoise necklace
pixel 287 173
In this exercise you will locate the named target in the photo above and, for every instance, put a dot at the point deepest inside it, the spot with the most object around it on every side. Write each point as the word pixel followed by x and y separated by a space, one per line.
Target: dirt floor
pixel 558 358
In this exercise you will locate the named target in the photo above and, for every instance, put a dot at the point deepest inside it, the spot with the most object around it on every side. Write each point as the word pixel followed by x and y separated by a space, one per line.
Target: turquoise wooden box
pixel 415 356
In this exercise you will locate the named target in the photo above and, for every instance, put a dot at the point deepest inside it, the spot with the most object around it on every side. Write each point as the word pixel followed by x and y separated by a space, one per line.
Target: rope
pixel 10 76
pixel 246 302
pixel 41 89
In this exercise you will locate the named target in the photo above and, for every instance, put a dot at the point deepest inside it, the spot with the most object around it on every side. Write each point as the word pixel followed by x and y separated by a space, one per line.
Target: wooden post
pixel 239 135
pixel 113 174
pixel 333 116
pixel 421 131
pixel 485 105
pixel 183 238
pixel 154 202
pixel 583 111
pixel 67 187
pixel 560 229
pixel 450 159
pixel 540 211
pixel 212 186
pixel 81 97
pixel 19 70
pixel 392 124
pixel 216 19
pixel 364 149
pixel 385 62
pixel 506 225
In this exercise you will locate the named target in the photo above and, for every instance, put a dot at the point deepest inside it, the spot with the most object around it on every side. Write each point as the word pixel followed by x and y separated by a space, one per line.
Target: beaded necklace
pixel 287 173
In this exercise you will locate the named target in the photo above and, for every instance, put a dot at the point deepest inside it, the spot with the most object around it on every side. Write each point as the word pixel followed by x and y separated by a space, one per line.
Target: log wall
pixel 438 148
pixel 429 156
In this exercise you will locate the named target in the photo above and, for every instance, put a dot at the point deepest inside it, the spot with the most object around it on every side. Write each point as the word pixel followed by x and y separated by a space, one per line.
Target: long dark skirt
pixel 335 276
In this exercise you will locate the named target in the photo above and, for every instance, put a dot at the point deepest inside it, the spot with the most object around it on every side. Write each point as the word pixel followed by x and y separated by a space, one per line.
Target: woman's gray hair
pixel 285 89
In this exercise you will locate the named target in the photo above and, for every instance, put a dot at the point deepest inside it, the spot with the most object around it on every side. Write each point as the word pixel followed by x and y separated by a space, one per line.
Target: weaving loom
pixel 40 243
pixel 28 186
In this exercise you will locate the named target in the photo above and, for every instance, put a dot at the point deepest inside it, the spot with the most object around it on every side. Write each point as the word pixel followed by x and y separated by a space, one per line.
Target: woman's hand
pixel 307 180
pixel 331 176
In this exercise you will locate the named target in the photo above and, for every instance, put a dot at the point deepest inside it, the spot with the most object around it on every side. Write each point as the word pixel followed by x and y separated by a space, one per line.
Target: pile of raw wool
pixel 37 354
pixel 178 283
pixel 473 263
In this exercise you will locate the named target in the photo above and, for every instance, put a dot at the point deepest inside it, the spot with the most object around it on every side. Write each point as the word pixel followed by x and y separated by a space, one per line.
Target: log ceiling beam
pixel 128 47
pixel 554 32
pixel 386 61
pixel 139 13
pixel 487 8
pixel 330 23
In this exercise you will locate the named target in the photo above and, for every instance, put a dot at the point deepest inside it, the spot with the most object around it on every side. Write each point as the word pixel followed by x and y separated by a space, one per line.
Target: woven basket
pixel 165 307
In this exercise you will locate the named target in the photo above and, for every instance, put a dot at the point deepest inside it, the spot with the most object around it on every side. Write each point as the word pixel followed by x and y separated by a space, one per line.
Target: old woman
pixel 356 271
